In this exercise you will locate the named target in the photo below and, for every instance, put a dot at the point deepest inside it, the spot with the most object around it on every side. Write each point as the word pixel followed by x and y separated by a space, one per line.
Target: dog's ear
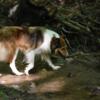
pixel 63 49
pixel 62 41
pixel 65 40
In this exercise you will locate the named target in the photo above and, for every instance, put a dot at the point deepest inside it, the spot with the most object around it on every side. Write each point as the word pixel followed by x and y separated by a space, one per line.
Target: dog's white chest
pixel 3 53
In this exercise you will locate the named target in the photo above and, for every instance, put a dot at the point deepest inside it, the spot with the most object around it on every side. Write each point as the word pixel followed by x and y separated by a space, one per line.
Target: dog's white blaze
pixel 12 10
pixel 52 33
pixel 45 47
pixel 48 35
pixel 3 52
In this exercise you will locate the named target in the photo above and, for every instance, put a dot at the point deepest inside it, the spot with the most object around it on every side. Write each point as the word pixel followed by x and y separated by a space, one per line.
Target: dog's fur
pixel 31 41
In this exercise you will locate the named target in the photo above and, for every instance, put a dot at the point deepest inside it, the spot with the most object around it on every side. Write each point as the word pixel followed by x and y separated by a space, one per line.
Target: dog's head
pixel 59 46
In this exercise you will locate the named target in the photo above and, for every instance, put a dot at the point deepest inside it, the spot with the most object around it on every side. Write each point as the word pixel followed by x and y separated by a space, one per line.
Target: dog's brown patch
pixel 18 37
pixel 10 46
pixel 36 37
pixel 23 38
pixel 7 33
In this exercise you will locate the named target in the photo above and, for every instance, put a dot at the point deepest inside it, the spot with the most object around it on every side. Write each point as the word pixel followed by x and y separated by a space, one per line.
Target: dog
pixel 30 41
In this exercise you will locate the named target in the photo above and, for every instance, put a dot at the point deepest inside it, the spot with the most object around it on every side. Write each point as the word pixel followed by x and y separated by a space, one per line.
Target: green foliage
pixel 3 96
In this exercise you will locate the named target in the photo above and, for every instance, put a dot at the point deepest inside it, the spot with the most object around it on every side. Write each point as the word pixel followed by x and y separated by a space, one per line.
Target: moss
pixel 3 96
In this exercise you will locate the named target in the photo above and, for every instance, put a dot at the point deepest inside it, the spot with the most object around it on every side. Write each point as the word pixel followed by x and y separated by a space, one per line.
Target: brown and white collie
pixel 31 41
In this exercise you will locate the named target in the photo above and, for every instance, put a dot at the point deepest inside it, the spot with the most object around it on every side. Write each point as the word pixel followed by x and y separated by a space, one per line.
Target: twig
pixel 79 54
pixel 83 54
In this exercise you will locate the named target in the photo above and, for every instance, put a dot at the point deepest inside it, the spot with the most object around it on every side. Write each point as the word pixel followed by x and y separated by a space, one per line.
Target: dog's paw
pixel 19 73
pixel 26 72
pixel 56 67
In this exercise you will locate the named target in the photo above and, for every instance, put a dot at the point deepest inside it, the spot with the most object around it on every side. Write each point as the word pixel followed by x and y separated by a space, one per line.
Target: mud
pixel 78 79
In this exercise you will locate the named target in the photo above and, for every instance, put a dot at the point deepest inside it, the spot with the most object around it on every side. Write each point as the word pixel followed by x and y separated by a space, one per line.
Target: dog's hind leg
pixel 48 60
pixel 30 61
pixel 13 65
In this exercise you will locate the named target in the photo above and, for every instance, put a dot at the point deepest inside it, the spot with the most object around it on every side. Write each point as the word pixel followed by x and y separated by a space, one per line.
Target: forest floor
pixel 78 79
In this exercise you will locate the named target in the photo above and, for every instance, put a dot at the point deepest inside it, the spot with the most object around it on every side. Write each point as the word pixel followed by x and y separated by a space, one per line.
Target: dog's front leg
pixel 48 60
pixel 30 61
pixel 28 68
pixel 13 65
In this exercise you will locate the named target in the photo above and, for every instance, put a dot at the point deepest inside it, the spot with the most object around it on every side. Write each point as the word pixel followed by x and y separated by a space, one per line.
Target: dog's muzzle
pixel 63 52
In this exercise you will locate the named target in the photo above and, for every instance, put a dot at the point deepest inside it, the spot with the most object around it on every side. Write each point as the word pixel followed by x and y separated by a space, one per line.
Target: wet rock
pixel 13 79
pixel 95 91
pixel 2 82
pixel 54 85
